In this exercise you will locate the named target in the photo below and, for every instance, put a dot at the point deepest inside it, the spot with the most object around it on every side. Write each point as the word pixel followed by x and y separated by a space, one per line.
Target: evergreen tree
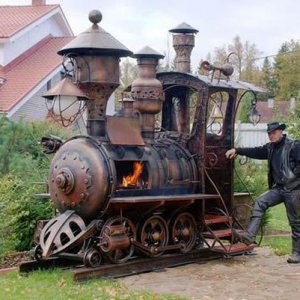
pixel 287 70
pixel 268 78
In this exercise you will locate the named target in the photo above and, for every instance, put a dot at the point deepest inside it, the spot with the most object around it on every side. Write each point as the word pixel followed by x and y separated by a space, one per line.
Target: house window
pixel 48 85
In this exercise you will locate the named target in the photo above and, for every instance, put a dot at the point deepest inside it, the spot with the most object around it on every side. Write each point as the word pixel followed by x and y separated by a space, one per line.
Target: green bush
pixel 251 177
pixel 20 150
pixel 22 163
pixel 19 213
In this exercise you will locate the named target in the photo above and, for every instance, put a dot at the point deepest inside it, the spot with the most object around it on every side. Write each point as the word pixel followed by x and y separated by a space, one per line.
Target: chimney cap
pixel 148 52
pixel 95 41
pixel 184 28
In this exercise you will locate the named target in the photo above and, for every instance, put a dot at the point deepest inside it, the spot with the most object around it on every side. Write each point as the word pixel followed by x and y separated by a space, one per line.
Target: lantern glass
pixel 66 106
pixel 254 116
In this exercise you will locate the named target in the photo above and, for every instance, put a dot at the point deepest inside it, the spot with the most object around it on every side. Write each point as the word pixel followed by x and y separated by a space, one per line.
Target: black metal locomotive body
pixel 128 187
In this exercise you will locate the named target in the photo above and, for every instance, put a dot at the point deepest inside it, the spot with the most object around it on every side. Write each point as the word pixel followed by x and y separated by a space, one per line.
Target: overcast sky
pixel 136 23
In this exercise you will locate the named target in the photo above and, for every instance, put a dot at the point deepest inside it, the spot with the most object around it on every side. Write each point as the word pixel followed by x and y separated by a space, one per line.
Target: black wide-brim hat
pixel 275 125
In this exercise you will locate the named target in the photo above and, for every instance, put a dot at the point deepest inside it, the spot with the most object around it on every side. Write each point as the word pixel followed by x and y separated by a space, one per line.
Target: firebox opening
pixel 132 174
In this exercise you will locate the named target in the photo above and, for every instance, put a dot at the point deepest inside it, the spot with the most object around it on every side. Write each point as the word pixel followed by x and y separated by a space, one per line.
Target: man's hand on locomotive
pixel 231 153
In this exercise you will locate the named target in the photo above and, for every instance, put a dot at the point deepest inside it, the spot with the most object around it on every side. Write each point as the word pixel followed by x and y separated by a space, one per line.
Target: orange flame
pixel 133 179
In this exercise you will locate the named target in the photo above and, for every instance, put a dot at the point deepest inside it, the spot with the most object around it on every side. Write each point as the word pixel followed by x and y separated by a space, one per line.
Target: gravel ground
pixel 262 276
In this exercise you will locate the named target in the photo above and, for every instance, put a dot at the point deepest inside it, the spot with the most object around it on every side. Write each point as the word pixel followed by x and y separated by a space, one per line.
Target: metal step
pixel 221 233
pixel 234 249
pixel 216 219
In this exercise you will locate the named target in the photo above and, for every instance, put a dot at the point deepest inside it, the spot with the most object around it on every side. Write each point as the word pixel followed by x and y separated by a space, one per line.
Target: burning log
pixel 132 180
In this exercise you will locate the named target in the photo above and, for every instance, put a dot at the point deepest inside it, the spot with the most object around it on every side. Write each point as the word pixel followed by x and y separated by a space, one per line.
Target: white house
pixel 30 37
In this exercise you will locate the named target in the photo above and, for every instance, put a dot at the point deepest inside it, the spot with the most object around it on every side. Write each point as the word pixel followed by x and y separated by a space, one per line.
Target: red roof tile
pixel 15 18
pixel 280 109
pixel 29 72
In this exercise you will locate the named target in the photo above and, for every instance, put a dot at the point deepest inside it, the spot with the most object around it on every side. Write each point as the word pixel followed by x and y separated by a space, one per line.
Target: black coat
pixel 289 164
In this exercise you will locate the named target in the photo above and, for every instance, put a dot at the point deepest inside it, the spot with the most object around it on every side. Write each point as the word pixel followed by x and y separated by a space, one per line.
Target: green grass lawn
pixel 58 285
pixel 277 219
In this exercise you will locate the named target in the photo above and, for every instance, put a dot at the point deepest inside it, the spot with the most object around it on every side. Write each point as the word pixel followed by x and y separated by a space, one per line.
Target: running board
pixel 234 249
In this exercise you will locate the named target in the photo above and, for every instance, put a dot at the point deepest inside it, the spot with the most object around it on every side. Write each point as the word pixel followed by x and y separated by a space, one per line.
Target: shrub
pixel 19 213
pixel 22 162
pixel 251 177
pixel 20 150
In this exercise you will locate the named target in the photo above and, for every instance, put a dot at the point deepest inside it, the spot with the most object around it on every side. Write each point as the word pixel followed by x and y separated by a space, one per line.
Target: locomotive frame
pixel 180 196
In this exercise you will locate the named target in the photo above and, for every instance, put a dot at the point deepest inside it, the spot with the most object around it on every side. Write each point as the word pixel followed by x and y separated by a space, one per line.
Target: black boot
pixel 248 236
pixel 295 257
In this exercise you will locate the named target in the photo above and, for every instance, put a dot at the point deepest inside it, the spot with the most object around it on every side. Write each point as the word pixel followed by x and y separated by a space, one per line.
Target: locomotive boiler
pixel 153 178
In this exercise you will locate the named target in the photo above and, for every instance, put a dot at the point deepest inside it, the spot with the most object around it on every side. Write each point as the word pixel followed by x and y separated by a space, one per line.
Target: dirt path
pixel 263 276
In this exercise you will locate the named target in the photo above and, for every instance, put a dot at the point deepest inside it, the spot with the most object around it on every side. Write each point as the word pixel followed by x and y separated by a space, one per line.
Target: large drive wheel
pixel 120 254
pixel 184 230
pixel 154 233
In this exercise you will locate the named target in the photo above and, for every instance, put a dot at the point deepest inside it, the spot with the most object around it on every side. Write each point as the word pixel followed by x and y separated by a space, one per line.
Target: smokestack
pixel 38 2
pixel 183 43
pixel 146 90
pixel 97 54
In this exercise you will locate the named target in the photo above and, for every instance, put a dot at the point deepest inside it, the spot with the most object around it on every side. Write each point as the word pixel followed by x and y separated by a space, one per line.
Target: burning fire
pixel 133 179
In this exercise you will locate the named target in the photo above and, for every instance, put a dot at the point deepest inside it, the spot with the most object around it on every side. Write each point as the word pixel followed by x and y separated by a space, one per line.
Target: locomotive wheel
pixel 119 255
pixel 92 258
pixel 154 233
pixel 184 230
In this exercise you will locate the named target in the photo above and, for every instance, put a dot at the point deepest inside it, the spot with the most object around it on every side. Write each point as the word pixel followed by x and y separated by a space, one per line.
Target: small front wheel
pixel 38 253
pixel 92 258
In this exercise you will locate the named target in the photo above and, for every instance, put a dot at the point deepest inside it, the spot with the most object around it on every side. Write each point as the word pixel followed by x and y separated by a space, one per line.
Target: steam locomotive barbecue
pixel 153 179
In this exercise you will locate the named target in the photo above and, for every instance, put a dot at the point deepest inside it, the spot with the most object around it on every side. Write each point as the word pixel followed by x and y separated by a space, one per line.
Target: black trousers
pixel 291 201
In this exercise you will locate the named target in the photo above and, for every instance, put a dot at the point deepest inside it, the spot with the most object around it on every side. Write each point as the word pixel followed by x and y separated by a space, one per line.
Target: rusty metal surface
pixel 231 84
pixel 198 82
pixel 136 266
pixel 75 168
pixel 184 28
pixel 66 88
pixel 147 91
pixel 95 40
pixel 144 265
pixel 145 199
pixel 123 187
pixel 148 52
pixel 124 131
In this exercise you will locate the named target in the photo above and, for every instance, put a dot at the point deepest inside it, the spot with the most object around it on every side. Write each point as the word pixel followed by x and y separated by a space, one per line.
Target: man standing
pixel 283 155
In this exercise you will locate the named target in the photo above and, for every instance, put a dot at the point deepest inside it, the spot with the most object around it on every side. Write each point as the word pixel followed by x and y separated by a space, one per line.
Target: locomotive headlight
pixel 65 102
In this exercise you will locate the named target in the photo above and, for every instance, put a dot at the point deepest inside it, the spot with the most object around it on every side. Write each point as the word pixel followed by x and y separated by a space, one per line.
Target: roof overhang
pixel 56 12
pixel 13 109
